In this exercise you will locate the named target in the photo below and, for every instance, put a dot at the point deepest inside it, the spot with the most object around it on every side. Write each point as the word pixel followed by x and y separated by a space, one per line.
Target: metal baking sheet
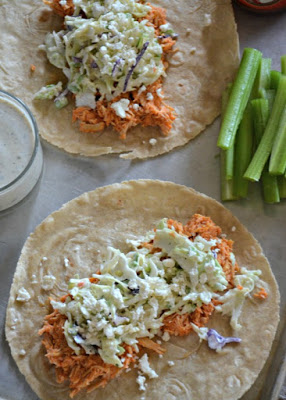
pixel 196 165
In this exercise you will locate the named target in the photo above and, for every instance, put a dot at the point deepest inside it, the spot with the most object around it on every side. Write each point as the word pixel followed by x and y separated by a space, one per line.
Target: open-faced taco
pixel 140 78
pixel 142 289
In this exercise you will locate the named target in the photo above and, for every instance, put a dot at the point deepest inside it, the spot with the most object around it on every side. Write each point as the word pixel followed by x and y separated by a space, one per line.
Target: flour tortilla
pixel 80 231
pixel 206 61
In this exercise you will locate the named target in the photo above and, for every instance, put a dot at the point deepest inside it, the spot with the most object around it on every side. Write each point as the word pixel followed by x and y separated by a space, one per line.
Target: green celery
pixel 243 152
pixel 262 80
pixel 270 96
pixel 274 79
pixel 239 96
pixel 270 187
pixel 226 185
pixel 277 164
pixel 282 186
pixel 260 113
pixel 227 158
pixel 263 151
pixel 283 64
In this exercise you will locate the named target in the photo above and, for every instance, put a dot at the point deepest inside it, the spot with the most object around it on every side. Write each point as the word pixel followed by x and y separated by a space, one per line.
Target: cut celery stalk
pixel 283 64
pixel 262 80
pixel 226 185
pixel 243 152
pixel 274 79
pixel 260 113
pixel 229 153
pixel 270 96
pixel 239 96
pixel 270 187
pixel 227 158
pixel 282 186
pixel 277 163
pixel 262 153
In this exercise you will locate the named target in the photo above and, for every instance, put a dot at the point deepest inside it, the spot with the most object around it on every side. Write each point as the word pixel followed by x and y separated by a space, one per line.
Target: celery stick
pixel 282 186
pixel 274 79
pixel 243 152
pixel 262 80
pixel 270 187
pixel 262 153
pixel 283 64
pixel 229 153
pixel 239 96
pixel 270 96
pixel 226 185
pixel 227 156
pixel 277 164
pixel 260 114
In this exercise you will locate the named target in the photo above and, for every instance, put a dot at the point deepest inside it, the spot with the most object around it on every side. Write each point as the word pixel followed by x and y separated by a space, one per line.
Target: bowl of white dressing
pixel 21 157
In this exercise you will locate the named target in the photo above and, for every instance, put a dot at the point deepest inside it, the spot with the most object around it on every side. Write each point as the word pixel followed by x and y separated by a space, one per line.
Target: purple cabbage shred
pixel 217 342
pixel 62 94
pixel 115 66
pixel 214 253
pixel 77 60
pixel 93 64
pixel 138 58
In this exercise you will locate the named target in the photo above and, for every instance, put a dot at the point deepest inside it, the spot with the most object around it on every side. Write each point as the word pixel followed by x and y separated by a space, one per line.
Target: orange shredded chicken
pixel 61 10
pixel 262 294
pixel 84 371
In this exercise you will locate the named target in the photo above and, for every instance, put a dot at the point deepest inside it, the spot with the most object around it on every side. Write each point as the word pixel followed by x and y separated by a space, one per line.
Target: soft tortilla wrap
pixel 206 61
pixel 80 231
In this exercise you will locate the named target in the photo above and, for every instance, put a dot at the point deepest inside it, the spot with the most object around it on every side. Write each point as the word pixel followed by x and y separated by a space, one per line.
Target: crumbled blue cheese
pixel 149 96
pixel 165 27
pixel 23 295
pixel 48 282
pixel 159 93
pixel 171 363
pixel 145 367
pixel 153 141
pixel 136 106
pixel 22 352
pixel 121 107
pixel 141 382
pixel 142 89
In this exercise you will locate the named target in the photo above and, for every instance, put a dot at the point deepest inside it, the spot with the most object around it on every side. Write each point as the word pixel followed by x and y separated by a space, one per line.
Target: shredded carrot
pixel 32 68
pixel 153 112
pixel 239 287
pixel 262 294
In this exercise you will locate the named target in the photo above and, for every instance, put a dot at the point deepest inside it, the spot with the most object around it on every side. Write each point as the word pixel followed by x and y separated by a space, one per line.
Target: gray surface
pixel 196 165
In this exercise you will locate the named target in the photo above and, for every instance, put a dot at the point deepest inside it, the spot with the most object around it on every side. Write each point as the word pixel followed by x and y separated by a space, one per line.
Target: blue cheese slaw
pixel 133 293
